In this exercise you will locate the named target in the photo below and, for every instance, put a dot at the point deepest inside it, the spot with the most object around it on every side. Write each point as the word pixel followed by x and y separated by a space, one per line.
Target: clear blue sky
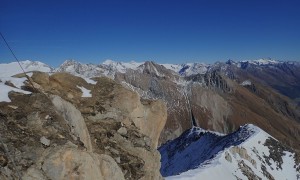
pixel 166 31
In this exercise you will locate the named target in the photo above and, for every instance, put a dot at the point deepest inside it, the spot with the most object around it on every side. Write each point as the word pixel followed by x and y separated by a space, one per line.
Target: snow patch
pixel 85 92
pixel 6 89
pixel 90 81
pixel 246 83
pixel 18 82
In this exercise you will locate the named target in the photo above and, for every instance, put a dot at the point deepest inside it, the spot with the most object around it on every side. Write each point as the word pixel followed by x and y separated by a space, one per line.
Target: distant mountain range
pixel 266 71
pixel 220 97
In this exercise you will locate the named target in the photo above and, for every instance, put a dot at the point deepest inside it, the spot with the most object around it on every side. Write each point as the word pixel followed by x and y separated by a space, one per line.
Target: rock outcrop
pixel 74 120
pixel 67 162
pixel 58 133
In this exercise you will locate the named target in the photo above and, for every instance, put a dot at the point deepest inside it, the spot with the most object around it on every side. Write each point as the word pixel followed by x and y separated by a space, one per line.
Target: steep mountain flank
pixel 228 109
pixel 74 129
pixel 281 76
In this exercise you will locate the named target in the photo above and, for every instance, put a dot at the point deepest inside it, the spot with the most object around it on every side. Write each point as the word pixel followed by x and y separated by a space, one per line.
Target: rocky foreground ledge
pixel 74 128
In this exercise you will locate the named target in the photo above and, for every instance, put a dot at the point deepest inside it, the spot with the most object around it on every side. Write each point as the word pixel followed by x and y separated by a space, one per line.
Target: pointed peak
pixel 69 62
pixel 230 62
pixel 250 127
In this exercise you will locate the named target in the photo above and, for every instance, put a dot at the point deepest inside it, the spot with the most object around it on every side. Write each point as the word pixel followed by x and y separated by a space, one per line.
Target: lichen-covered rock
pixel 74 120
pixel 71 163
pixel 67 162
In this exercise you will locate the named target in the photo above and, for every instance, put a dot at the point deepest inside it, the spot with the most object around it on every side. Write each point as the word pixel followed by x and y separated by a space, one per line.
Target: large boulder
pixel 67 162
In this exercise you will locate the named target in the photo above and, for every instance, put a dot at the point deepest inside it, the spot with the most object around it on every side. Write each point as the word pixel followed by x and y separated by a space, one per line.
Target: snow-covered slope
pixel 258 62
pixel 10 69
pixel 188 68
pixel 9 83
pixel 79 69
pixel 108 68
pixel 264 61
pixel 248 153
pixel 121 66
pixel 5 89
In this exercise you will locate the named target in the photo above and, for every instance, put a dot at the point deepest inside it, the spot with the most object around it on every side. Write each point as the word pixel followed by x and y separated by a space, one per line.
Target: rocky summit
pixel 106 121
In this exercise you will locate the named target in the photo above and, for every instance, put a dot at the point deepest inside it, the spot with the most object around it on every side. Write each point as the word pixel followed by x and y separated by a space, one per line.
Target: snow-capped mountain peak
pixel 69 62
pixel 108 62
pixel 264 61
pixel 121 66
pixel 81 69
pixel 257 62
pixel 107 68
pixel 188 69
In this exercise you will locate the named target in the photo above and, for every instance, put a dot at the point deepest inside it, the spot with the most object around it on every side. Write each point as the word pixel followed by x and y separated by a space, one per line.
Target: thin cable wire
pixel 12 52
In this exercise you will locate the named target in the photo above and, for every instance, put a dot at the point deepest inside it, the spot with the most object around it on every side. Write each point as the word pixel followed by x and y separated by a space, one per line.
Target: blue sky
pixel 166 31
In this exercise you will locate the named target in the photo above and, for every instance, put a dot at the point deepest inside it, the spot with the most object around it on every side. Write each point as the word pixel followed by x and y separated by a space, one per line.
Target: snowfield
pixel 4 90
pixel 85 92
pixel 90 81
pixel 11 69
pixel 244 154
